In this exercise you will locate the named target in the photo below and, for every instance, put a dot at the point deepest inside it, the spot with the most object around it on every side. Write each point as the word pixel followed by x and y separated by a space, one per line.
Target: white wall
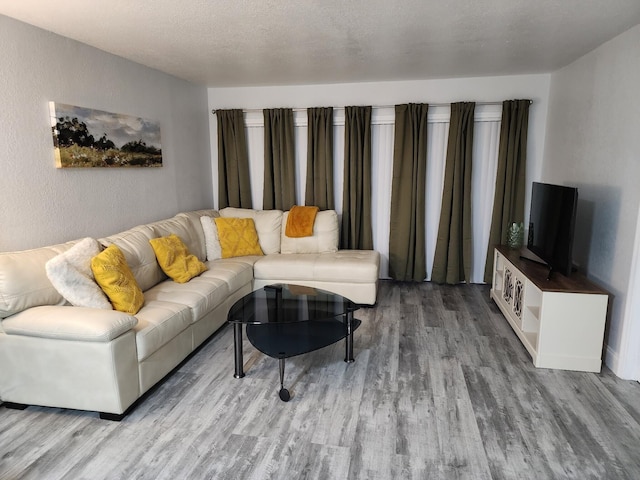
pixel 43 205
pixel 593 142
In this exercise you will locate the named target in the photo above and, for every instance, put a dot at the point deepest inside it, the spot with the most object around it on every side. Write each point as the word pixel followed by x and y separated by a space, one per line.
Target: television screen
pixel 551 224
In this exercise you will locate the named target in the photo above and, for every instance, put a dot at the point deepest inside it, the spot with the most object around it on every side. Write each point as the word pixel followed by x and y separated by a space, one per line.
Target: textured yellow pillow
pixel 238 237
pixel 175 260
pixel 116 280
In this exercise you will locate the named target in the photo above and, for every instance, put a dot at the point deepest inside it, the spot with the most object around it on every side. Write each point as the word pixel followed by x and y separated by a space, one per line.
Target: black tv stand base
pixel 540 262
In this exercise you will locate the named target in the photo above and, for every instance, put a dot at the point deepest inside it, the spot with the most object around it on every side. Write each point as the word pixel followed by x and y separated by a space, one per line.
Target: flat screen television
pixel 551 225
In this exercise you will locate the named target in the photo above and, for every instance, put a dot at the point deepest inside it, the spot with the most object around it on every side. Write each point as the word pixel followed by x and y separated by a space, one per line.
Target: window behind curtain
pixel 485 153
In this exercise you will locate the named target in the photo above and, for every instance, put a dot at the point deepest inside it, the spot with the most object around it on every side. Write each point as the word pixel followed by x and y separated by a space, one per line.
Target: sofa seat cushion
pixel 70 323
pixel 158 323
pixel 355 266
pixel 201 294
pixel 236 272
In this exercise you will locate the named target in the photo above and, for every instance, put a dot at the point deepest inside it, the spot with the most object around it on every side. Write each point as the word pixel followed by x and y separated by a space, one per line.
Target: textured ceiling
pixel 279 42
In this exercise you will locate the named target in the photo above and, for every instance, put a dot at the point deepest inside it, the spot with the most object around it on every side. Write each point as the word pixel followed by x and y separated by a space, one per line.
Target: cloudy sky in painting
pixel 120 129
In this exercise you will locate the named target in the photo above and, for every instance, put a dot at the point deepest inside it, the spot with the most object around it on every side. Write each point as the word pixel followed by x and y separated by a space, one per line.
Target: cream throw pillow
pixel 70 273
pixel 211 240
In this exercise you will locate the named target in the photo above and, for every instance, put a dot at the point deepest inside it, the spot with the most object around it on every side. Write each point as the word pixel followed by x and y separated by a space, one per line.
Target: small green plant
pixel 515 235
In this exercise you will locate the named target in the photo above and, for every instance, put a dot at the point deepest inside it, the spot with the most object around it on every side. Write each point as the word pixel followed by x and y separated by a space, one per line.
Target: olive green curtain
pixel 508 201
pixel 234 189
pixel 319 187
pixel 452 260
pixel 356 230
pixel 279 160
pixel 407 259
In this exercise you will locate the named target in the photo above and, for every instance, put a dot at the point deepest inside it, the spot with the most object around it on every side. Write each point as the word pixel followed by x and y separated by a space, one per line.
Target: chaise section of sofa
pixel 313 261
pixel 350 273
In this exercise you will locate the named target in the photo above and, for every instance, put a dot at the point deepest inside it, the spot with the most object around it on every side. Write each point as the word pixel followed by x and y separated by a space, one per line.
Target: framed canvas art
pixel 84 137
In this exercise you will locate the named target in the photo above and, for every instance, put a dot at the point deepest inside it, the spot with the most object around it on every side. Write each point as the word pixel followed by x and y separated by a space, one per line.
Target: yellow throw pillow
pixel 238 237
pixel 175 260
pixel 114 276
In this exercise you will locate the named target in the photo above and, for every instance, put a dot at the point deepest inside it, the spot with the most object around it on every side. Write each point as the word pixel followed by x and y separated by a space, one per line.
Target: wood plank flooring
pixel 441 389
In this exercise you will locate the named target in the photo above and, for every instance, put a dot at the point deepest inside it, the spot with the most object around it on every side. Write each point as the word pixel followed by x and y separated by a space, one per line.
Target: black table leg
pixel 237 346
pixel 349 339
pixel 284 393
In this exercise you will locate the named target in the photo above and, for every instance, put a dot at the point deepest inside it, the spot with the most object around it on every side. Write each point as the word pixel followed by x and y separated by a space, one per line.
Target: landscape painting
pixel 84 137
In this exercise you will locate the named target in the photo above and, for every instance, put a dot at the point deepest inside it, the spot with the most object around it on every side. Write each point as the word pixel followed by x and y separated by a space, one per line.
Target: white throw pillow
pixel 70 273
pixel 211 240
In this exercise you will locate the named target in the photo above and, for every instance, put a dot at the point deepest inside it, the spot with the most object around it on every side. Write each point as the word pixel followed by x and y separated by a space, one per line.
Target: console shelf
pixel 559 321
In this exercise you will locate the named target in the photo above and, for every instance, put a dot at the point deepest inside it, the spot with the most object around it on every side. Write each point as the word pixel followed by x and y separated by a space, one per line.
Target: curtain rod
pixel 300 109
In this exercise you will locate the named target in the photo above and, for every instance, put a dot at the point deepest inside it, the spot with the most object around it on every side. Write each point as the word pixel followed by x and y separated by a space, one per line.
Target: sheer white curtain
pixel 485 155
pixel 483 185
pixel 437 135
pixel 382 130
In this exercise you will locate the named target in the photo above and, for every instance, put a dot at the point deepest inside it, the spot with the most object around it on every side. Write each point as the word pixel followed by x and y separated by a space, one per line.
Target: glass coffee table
pixel 283 321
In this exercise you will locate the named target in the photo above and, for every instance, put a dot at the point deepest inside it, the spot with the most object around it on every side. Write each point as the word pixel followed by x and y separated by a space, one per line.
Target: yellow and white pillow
pixel 114 276
pixel 175 260
pixel 268 225
pixel 238 237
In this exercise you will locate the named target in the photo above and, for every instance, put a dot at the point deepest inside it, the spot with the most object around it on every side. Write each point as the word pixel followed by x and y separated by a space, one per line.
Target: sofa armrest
pixel 69 323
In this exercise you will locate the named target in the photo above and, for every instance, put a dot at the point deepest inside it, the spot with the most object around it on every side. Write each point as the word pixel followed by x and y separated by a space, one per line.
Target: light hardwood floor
pixel 441 388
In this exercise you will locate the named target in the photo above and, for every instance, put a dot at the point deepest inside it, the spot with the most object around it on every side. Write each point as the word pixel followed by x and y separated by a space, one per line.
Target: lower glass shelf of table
pixel 284 321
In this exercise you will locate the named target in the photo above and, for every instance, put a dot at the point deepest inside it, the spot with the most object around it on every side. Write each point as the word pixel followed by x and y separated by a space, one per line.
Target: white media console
pixel 560 321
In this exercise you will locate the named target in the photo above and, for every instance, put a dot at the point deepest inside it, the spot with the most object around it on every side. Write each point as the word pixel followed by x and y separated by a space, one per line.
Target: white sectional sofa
pixel 57 355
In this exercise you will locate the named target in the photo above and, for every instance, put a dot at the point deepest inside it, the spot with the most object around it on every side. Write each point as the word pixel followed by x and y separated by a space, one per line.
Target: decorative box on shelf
pixel 560 320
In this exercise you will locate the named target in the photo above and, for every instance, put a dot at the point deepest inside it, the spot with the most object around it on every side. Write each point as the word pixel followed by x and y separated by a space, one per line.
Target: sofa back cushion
pixel 140 257
pixel 24 282
pixel 324 239
pixel 188 231
pixel 194 220
pixel 268 225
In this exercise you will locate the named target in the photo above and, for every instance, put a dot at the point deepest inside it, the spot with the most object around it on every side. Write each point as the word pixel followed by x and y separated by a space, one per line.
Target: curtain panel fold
pixel 452 261
pixel 234 188
pixel 319 185
pixel 407 258
pixel 357 232
pixel 279 160
pixel 508 203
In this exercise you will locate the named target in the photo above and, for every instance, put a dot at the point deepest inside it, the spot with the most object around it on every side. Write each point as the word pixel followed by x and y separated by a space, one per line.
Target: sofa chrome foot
pixel 114 417
pixel 15 406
